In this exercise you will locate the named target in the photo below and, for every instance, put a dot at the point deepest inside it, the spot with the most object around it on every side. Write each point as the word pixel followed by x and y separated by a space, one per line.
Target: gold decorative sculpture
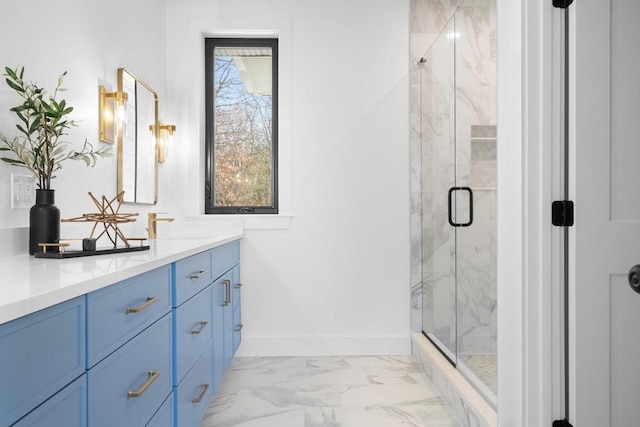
pixel 110 217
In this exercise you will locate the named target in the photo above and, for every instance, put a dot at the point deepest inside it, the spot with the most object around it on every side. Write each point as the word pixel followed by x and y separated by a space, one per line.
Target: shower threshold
pixel 465 401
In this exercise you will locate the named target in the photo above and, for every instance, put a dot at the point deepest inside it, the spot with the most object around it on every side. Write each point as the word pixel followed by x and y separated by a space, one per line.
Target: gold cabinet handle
pixel 239 327
pixel 227 292
pixel 153 375
pixel 197 275
pixel 237 285
pixel 198 399
pixel 138 309
pixel 200 328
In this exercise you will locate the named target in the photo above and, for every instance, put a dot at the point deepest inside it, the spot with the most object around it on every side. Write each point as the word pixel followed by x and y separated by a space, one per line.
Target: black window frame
pixel 209 188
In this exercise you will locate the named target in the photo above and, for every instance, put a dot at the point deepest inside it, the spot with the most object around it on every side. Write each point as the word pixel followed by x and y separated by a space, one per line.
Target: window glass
pixel 242 125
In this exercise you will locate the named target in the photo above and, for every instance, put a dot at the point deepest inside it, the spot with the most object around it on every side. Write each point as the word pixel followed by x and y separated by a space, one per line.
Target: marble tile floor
pixel 355 391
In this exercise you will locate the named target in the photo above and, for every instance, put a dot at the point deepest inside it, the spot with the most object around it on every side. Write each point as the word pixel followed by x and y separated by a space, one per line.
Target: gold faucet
pixel 153 223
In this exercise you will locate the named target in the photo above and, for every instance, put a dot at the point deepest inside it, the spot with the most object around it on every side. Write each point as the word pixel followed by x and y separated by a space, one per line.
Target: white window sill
pixel 250 222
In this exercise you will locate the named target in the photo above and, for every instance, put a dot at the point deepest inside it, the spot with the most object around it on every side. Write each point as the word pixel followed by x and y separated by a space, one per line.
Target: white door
pixel 605 241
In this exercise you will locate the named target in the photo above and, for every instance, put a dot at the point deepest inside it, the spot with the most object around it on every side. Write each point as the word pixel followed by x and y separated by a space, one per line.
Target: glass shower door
pixel 438 176
pixel 475 148
pixel 459 193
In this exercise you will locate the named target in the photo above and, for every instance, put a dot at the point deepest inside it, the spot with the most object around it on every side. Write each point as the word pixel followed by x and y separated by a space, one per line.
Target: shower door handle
pixel 634 278
pixel 451 221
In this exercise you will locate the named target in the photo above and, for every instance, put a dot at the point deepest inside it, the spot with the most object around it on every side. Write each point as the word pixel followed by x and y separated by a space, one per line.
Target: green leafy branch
pixel 39 146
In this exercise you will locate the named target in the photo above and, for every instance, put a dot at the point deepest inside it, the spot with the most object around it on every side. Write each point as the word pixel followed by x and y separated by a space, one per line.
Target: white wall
pixel 335 278
pixel 90 40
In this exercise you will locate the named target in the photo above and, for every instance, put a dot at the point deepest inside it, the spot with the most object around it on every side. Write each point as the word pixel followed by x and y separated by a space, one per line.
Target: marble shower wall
pixel 476 165
pixel 453 117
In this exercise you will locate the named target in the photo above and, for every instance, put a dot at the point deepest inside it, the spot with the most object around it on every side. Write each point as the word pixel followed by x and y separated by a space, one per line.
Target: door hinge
pixel 562 4
pixel 562 213
pixel 561 423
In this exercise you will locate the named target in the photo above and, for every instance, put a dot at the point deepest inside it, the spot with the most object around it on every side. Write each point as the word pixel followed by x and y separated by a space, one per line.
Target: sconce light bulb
pixel 121 112
pixel 165 141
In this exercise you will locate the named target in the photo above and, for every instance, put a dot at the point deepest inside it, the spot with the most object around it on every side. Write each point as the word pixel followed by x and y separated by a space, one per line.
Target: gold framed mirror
pixel 136 138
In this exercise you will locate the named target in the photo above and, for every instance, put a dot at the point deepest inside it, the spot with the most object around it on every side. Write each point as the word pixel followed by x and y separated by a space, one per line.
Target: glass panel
pixel 438 176
pixel 458 127
pixel 475 147
pixel 243 126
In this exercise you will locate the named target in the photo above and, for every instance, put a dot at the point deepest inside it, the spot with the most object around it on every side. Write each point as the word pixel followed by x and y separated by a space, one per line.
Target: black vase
pixel 44 222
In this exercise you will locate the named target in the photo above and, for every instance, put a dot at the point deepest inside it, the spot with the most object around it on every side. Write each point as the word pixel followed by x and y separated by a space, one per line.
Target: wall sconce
pixel 165 142
pixel 111 115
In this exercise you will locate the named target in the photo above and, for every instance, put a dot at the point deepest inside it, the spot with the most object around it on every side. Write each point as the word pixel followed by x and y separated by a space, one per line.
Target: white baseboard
pixel 325 346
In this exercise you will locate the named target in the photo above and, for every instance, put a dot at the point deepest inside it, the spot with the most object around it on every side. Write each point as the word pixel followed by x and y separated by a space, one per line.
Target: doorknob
pixel 634 278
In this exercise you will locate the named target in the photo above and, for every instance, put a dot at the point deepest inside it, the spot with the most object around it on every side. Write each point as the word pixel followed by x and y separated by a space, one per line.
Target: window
pixel 242 126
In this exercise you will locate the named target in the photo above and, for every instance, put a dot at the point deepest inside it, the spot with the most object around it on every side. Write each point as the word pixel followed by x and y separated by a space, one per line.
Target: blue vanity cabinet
pixel 191 275
pixel 40 354
pixel 147 351
pixel 195 391
pixel 225 257
pixel 164 416
pixel 119 312
pixel 128 387
pixel 193 335
pixel 226 261
pixel 66 408
pixel 192 331
pixel 221 314
pixel 129 336
pixel 231 325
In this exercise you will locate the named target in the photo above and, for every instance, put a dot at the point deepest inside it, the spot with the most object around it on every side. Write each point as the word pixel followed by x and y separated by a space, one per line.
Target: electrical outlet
pixel 23 191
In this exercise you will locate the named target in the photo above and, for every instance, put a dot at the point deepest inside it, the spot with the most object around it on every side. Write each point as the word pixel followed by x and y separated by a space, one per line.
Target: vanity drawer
pixel 192 274
pixel 117 313
pixel 66 408
pixel 142 366
pixel 193 330
pixel 39 355
pixel 194 393
pixel 164 416
pixel 225 257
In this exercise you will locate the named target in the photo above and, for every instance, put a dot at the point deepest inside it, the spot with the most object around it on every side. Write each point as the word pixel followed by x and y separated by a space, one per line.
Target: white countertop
pixel 29 284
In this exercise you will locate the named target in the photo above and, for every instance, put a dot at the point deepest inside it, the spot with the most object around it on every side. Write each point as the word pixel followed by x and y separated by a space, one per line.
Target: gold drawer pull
pixel 197 275
pixel 197 331
pixel 198 399
pixel 239 327
pixel 138 309
pixel 153 375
